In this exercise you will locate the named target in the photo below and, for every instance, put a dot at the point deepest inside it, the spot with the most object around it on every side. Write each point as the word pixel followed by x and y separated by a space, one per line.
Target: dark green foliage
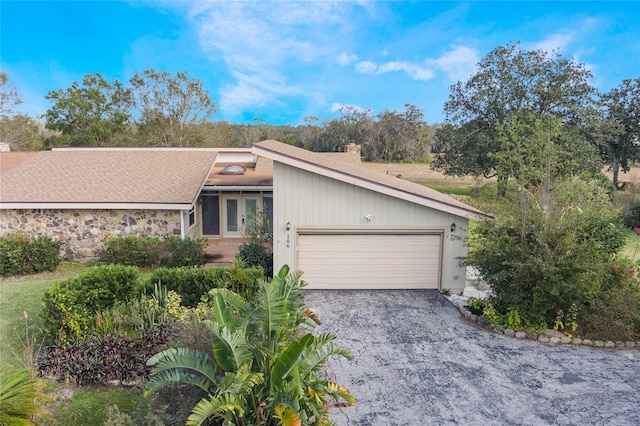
pixel 189 283
pixel 253 254
pixel 152 252
pixel 21 255
pixel 71 306
pixel 632 216
pixel 193 283
pixel 104 358
pixel 541 261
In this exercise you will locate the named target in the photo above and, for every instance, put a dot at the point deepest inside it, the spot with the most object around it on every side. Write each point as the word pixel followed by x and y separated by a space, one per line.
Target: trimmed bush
pixel 254 254
pixel 192 283
pixel 71 306
pixel 152 252
pixel 22 255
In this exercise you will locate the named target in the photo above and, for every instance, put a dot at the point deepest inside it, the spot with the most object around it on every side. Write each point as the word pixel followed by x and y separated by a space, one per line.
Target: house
pixel 344 225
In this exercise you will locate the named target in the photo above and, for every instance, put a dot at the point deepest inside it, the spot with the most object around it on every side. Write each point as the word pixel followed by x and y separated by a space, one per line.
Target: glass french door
pixel 237 210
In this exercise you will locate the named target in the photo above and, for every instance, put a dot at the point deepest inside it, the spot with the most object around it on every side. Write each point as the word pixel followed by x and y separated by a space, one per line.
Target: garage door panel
pixel 370 260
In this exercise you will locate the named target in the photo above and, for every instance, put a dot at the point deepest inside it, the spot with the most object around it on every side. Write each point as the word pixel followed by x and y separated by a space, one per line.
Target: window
pixel 192 216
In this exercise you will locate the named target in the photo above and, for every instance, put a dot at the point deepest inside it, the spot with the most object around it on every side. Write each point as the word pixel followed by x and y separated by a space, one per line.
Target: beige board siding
pixel 365 261
pixel 306 199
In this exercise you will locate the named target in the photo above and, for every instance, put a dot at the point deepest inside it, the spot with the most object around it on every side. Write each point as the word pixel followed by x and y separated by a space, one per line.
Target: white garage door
pixel 370 261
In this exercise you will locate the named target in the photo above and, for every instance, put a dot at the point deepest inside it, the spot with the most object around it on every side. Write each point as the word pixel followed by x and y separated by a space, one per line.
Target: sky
pixel 281 61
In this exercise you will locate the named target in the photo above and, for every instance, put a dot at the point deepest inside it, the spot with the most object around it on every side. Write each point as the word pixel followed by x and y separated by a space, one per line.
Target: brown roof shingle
pixel 110 176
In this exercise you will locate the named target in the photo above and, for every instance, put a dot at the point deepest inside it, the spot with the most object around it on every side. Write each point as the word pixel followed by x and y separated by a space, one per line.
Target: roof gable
pixel 365 178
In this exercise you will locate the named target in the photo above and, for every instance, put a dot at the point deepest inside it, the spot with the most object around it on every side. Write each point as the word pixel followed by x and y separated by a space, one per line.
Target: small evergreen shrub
pixel 71 306
pixel 254 254
pixel 193 283
pixel 189 283
pixel 153 252
pixel 22 255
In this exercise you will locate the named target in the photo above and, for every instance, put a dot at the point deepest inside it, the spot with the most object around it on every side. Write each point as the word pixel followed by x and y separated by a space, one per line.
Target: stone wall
pixel 83 232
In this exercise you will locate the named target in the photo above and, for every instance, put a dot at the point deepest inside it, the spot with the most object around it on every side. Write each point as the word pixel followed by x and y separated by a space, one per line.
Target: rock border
pixel 545 336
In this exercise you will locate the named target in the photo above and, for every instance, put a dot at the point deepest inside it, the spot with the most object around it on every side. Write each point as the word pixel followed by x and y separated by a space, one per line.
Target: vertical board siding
pixel 307 199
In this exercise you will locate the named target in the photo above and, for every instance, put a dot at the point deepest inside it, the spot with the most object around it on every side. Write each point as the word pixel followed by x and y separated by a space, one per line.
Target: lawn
pixel 71 406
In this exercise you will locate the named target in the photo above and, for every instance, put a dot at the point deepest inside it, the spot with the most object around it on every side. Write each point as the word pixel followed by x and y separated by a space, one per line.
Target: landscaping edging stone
pixel 545 336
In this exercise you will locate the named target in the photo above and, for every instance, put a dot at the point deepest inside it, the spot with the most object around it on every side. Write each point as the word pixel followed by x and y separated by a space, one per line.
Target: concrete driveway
pixel 417 363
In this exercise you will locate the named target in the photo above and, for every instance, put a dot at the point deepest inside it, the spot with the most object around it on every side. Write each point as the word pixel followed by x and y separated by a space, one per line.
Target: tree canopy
pixel 91 113
pixel 510 82
pixel 618 131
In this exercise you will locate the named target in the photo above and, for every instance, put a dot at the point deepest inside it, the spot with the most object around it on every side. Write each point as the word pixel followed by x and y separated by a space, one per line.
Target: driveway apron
pixel 416 362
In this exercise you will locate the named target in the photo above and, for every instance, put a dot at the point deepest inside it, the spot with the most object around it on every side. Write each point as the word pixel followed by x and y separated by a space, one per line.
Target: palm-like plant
pixel 265 370
pixel 20 397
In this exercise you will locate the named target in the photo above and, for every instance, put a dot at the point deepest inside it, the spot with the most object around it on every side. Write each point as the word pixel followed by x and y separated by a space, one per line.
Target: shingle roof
pixel 9 160
pixel 108 177
pixel 357 174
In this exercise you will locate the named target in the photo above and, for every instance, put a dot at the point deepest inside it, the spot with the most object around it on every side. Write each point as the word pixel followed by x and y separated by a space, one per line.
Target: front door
pixel 236 210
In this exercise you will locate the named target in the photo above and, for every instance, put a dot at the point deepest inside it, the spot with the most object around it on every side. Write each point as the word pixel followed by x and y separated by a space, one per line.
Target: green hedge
pixel 254 254
pixel 22 255
pixel 192 283
pixel 71 306
pixel 171 252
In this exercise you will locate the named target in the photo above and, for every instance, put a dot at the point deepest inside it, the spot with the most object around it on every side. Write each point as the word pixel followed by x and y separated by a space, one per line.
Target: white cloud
pixel 414 71
pixel 458 64
pixel 555 42
pixel 262 43
pixel 345 59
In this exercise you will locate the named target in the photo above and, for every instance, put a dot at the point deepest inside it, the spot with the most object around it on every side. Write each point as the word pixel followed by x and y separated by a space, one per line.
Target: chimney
pixel 352 147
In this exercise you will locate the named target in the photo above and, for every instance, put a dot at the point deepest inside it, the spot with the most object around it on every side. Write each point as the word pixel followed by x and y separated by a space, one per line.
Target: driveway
pixel 417 363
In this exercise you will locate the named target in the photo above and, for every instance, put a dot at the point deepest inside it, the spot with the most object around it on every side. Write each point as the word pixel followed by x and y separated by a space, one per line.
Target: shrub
pixel 153 252
pixel 21 255
pixel 193 283
pixel 614 312
pixel 189 283
pixel 136 316
pixel 631 216
pixel 254 254
pixel 104 358
pixel 71 306
pixel 547 259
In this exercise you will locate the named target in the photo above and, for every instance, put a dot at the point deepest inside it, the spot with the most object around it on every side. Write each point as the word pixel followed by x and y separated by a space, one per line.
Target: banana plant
pixel 264 370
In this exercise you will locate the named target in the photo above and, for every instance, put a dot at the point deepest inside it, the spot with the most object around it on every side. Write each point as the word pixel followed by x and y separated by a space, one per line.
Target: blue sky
pixel 282 61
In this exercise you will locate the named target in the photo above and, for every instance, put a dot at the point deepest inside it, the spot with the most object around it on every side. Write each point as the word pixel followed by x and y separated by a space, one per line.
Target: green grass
pixel 24 294
pixel 89 405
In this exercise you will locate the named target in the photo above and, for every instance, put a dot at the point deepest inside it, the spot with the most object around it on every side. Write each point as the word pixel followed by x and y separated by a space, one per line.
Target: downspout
pixel 182 224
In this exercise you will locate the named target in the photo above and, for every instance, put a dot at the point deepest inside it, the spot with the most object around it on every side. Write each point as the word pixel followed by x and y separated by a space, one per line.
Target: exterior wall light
pixel 369 217
pixel 453 227
pixel 288 226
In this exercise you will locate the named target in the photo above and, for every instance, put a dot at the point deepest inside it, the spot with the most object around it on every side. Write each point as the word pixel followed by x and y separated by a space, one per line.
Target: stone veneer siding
pixel 83 232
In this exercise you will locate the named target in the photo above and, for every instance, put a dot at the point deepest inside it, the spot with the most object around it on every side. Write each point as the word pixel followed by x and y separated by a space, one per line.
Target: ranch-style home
pixel 342 224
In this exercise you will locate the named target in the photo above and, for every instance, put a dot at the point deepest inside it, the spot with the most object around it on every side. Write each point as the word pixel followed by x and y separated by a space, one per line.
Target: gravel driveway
pixel 417 363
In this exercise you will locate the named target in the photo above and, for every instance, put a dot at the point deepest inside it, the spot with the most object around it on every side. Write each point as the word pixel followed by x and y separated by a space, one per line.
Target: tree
pixel 22 133
pixel 272 371
pixel 398 136
pixel 618 133
pixel 90 114
pixel 171 107
pixel 509 81
pixel 9 97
